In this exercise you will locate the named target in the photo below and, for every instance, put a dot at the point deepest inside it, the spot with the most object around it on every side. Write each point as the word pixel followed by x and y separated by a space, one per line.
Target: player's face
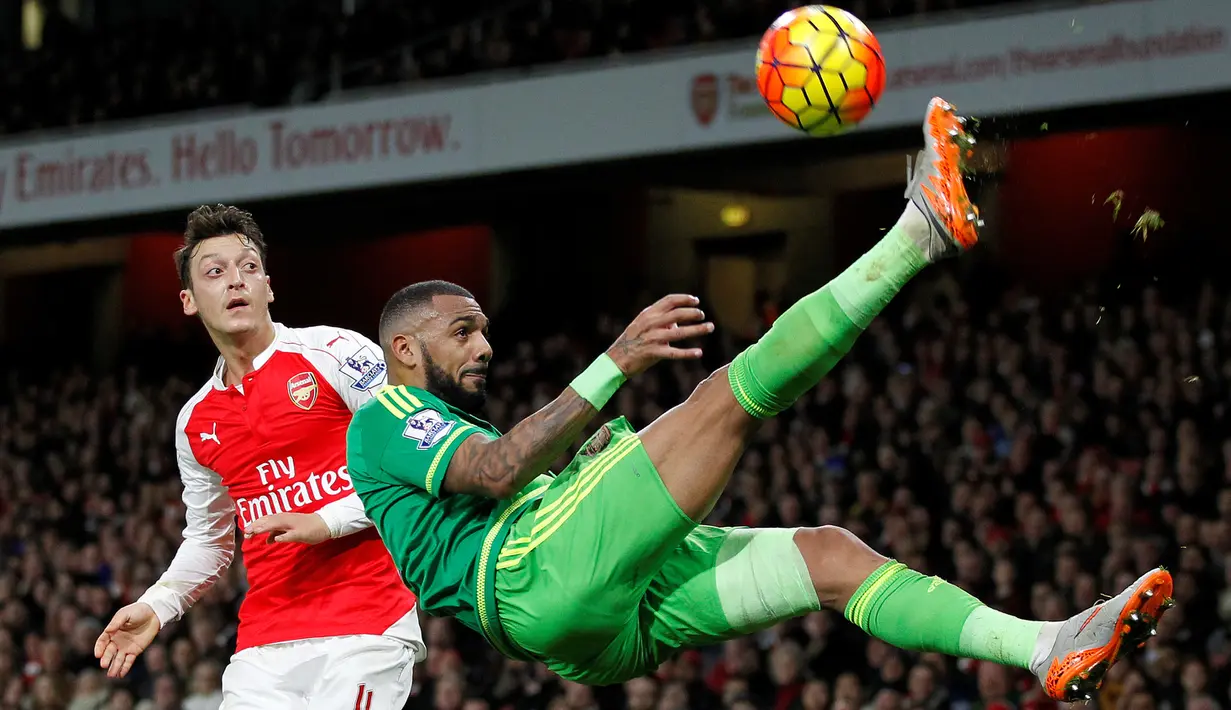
pixel 229 291
pixel 456 352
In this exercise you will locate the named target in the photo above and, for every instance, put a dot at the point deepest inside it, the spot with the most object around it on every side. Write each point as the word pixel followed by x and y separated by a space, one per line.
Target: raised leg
pixel 696 445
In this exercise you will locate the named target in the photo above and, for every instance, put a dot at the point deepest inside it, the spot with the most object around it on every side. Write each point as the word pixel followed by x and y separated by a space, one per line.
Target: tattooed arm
pixel 500 468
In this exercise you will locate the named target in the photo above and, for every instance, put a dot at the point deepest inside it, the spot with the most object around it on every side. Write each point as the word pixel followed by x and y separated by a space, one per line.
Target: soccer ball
pixel 820 70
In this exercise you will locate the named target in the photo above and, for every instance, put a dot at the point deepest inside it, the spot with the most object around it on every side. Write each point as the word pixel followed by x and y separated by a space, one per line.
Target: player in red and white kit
pixel 326 622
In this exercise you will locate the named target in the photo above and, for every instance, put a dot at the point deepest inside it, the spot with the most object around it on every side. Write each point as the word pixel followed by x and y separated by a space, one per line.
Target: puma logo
pixel 936 582
pixel 212 436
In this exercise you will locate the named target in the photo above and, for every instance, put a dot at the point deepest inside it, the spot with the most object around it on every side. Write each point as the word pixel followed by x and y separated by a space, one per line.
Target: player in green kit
pixel 603 572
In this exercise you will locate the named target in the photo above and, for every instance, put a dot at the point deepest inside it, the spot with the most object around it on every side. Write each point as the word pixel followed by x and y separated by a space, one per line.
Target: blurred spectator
pixel 1037 454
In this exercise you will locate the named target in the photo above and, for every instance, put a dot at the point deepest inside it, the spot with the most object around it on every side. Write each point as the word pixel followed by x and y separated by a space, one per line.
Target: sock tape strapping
pixel 762 578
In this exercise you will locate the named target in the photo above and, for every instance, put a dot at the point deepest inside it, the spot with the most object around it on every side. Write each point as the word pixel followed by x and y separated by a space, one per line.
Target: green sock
pixel 902 607
pixel 814 334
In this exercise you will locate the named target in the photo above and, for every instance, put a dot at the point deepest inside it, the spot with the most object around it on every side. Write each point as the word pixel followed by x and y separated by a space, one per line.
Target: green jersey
pixel 399 446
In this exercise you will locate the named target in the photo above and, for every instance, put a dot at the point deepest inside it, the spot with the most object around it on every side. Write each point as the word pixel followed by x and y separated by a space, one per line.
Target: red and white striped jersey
pixel 277 443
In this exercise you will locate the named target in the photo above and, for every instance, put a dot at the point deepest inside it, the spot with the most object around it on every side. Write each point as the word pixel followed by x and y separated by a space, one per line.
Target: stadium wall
pixel 577 250
pixel 683 225
pixel 1058 227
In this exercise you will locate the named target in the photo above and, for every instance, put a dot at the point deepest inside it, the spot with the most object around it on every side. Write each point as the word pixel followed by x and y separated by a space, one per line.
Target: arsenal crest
pixel 303 390
pixel 705 98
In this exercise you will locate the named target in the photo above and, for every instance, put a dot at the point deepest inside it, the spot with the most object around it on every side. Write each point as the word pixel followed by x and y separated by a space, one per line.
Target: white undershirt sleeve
pixel 345 516
pixel 209 537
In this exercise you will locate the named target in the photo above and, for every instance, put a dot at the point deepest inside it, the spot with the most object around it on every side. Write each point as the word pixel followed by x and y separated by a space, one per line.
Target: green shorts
pixel 604 578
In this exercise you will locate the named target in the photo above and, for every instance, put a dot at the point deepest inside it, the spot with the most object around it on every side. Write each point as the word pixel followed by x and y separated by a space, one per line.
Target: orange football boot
pixel 1089 644
pixel 936 186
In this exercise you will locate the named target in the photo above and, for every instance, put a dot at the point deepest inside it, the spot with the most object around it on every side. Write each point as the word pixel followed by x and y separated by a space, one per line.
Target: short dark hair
pixel 208 221
pixel 410 299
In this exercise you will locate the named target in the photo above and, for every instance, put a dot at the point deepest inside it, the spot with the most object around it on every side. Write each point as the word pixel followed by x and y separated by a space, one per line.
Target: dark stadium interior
pixel 134 61
pixel 1038 423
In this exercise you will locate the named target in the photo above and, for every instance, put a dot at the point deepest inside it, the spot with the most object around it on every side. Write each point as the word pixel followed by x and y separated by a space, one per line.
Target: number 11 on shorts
pixel 363 699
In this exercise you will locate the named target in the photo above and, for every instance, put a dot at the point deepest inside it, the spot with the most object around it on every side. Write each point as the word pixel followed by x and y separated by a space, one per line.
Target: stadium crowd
pixel 1037 454
pixel 296 51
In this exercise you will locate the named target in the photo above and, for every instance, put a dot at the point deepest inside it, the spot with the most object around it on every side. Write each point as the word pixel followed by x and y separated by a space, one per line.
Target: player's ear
pixel 406 350
pixel 269 290
pixel 189 303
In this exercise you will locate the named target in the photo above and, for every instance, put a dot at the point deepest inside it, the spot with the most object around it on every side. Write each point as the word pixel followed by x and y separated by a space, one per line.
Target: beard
pixel 449 390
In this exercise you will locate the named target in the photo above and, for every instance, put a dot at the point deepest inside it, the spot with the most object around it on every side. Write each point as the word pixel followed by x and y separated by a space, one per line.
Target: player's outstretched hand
pixel 308 528
pixel 130 632
pixel 655 332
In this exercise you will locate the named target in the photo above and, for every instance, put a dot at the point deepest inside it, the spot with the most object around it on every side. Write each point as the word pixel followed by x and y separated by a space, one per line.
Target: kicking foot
pixel 1086 646
pixel 936 188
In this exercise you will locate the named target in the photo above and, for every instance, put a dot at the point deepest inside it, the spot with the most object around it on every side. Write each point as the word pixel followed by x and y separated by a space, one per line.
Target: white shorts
pixel 335 673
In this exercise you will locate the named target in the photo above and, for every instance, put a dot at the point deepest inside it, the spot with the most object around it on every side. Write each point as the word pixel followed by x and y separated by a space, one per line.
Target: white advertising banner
pixel 1082 56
